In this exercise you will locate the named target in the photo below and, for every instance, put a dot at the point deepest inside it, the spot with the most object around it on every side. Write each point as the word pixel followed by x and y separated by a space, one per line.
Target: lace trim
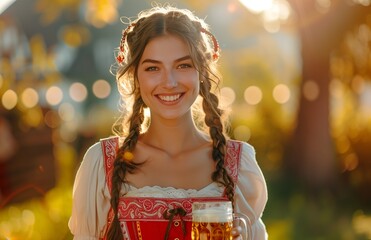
pixel 210 190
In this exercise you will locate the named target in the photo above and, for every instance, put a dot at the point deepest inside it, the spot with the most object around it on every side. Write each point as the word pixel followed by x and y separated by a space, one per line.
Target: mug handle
pixel 239 218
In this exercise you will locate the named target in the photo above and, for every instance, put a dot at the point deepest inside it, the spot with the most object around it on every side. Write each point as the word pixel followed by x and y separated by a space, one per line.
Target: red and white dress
pixel 150 213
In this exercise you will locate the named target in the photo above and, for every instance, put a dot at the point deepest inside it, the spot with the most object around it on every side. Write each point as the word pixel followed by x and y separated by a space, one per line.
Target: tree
pixel 311 156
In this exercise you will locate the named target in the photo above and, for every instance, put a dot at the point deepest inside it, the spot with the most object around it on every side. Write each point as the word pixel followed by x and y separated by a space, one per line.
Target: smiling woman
pixel 168 79
pixel 141 184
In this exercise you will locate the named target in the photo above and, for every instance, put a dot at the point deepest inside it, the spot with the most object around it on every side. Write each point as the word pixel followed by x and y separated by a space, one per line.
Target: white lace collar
pixel 211 190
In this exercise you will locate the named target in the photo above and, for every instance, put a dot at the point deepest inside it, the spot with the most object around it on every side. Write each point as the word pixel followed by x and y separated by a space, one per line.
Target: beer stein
pixel 214 221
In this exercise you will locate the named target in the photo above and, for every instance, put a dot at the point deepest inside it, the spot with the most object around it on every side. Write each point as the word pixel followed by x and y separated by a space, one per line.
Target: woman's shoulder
pixel 93 157
pixel 94 150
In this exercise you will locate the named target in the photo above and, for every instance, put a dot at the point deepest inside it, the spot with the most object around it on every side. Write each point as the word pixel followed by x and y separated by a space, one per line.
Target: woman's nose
pixel 170 80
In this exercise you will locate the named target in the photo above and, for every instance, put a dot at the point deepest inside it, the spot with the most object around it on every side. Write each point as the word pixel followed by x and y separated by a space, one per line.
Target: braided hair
pixel 155 22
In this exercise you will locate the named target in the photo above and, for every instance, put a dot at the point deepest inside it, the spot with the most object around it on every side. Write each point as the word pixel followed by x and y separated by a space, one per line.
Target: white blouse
pixel 91 197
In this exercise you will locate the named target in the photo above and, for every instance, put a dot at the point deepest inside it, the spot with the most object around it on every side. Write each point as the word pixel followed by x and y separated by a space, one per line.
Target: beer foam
pixel 214 214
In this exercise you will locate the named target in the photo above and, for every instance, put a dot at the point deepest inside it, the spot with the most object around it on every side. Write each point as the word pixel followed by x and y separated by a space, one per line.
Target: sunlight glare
pixel 257 6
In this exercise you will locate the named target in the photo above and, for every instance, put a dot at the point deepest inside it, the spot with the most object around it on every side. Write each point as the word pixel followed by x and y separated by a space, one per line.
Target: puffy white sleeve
pixel 251 192
pixel 90 197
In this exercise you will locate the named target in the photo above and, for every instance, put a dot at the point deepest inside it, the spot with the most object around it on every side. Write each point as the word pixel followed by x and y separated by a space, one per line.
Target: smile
pixel 169 98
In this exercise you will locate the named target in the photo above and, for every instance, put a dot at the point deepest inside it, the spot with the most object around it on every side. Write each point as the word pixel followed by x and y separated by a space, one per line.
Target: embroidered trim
pixel 109 149
pixel 139 231
pixel 233 158
pixel 135 209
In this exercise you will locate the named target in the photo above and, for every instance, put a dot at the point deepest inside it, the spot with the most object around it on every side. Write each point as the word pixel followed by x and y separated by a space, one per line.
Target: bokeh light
pixel 278 10
pixel 310 90
pixel 78 92
pixel 242 133
pixel 257 6
pixel 9 99
pixel 101 88
pixel 350 162
pixel 281 93
pixel 28 217
pixel 276 13
pixel 228 96
pixel 253 95
pixel 29 97
pixel 54 95
pixel 52 119
pixel 66 112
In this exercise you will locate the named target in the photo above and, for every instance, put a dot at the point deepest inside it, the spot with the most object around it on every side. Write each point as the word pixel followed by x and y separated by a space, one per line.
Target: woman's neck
pixel 174 136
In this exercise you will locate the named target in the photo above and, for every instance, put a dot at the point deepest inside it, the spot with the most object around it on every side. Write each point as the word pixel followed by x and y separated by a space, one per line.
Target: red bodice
pixel 150 218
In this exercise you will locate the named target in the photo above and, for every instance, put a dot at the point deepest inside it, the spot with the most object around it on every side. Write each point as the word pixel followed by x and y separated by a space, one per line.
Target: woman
pixel 142 184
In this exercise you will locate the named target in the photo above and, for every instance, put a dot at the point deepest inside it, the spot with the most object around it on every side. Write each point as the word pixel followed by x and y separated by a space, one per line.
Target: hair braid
pixel 122 165
pixel 213 121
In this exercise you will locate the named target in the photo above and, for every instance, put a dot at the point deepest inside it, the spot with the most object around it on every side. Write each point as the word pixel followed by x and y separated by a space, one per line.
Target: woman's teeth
pixel 169 98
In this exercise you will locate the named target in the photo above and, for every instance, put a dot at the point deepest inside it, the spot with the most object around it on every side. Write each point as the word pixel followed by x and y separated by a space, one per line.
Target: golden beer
pixel 212 221
pixel 211 230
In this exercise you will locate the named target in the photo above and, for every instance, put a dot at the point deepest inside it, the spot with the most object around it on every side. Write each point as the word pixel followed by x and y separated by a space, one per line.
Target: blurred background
pixel 296 74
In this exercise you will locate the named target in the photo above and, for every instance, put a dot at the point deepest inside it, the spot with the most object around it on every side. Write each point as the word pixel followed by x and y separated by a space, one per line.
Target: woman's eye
pixel 152 68
pixel 185 65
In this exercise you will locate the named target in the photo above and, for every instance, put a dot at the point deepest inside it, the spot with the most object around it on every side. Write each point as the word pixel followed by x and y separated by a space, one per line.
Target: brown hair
pixel 152 23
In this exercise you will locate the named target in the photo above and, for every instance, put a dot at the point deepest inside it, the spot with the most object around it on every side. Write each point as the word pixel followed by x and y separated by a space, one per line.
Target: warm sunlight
pixel 257 6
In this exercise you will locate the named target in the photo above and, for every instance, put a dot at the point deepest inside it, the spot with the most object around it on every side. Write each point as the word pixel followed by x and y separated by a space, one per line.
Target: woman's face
pixel 168 79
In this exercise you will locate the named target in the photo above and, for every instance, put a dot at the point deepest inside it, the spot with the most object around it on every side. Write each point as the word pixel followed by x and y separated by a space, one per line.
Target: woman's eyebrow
pixel 148 60
pixel 183 58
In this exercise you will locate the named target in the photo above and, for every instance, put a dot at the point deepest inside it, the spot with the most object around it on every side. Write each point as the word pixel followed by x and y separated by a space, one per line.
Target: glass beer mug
pixel 214 221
